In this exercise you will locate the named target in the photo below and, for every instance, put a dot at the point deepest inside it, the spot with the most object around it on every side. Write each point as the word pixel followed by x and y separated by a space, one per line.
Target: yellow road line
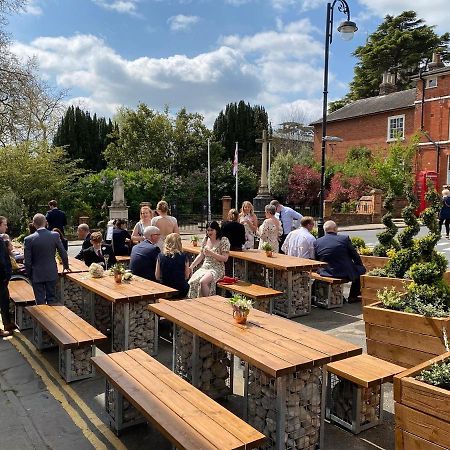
pixel 41 366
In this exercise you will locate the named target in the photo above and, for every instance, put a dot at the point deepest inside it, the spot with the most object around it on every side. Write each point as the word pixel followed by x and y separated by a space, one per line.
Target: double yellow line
pixel 62 392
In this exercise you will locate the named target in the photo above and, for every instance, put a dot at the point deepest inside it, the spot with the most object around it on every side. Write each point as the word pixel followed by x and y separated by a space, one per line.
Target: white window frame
pixel 389 138
pixel 428 82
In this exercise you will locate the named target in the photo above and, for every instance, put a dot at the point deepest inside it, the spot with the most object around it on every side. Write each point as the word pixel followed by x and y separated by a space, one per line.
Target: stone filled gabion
pixel 45 340
pixel 130 415
pixel 256 273
pixel 300 302
pixel 342 392
pixel 262 305
pixel 102 314
pixel 213 365
pixel 320 294
pixel 80 362
pixel 141 327
pixel 72 297
pixel 302 408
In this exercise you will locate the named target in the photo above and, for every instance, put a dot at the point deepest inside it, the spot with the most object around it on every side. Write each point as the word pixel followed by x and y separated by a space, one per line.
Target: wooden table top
pixel 75 266
pixel 123 259
pixel 277 261
pixel 273 344
pixel 128 291
pixel 187 416
pixel 21 291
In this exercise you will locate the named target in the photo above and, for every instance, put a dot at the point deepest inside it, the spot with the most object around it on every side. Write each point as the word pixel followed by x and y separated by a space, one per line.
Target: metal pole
pixel 328 30
pixel 237 175
pixel 209 182
pixel 270 152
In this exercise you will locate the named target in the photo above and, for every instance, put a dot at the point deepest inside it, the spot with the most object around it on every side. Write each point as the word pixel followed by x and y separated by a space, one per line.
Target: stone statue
pixel 118 192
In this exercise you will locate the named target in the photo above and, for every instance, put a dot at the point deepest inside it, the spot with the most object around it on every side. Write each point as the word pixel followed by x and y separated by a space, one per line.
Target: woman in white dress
pixel 146 219
pixel 270 230
pixel 214 254
pixel 166 224
pixel 248 218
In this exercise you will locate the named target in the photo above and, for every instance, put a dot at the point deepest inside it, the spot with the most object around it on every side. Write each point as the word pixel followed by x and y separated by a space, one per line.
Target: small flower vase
pixel 240 316
pixel 195 243
pixel 118 277
pixel 269 253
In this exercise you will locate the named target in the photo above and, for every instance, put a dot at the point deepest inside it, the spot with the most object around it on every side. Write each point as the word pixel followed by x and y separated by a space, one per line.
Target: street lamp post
pixel 347 29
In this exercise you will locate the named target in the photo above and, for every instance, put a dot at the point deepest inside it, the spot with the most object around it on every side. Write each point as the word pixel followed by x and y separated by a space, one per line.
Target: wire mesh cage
pixel 327 295
pixel 296 300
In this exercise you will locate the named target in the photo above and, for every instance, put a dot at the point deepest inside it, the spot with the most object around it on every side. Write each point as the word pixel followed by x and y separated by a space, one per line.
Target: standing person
pixel 121 239
pixel 248 218
pixel 40 262
pixel 84 234
pixel 444 214
pixel 233 230
pixel 99 252
pixel 144 255
pixel 286 216
pixel 166 224
pixel 64 241
pixel 5 276
pixel 300 242
pixel 270 230
pixel 213 256
pixel 55 217
pixel 146 220
pixel 343 260
pixel 172 265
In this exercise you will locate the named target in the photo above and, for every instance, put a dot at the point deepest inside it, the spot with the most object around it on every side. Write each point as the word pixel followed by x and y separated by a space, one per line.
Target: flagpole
pixel 237 174
pixel 268 175
pixel 209 181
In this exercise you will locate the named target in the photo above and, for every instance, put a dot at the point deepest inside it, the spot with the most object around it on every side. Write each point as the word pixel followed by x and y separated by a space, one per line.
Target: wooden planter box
pixel 403 338
pixel 422 411
pixel 374 262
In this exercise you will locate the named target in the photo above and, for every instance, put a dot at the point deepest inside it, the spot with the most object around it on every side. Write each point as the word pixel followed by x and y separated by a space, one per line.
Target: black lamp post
pixel 347 29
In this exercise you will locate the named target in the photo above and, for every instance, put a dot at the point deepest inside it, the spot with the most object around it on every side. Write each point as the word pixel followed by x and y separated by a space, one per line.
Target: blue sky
pixel 200 54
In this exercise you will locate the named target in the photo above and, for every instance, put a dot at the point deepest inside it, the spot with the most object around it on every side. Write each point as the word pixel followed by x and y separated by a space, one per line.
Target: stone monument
pixel 118 208
pixel 263 197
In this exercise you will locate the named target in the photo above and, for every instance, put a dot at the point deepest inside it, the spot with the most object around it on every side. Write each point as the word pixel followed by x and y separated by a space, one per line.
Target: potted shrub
pixel 422 405
pixel 118 271
pixel 241 308
pixel 409 325
pixel 195 240
pixel 268 249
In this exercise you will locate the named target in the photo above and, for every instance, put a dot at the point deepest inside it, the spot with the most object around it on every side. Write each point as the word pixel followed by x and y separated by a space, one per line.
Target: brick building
pixel 375 122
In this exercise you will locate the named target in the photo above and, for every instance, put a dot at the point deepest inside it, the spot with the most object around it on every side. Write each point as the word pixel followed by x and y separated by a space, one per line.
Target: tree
pixel 398 46
pixel 280 170
pixel 84 137
pixel 242 123
pixel 304 186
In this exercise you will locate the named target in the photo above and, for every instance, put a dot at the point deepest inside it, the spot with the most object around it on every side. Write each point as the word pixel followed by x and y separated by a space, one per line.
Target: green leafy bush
pixel 437 375
pixel 386 238
pixel 358 242
pixel 392 299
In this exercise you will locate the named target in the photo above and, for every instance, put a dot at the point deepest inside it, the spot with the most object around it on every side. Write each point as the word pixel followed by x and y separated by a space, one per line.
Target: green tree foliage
pixel 12 207
pixel 242 123
pixel 84 137
pixel 280 170
pixel 398 45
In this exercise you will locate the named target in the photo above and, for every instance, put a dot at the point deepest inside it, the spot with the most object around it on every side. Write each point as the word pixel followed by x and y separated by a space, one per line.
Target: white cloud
pixel 237 2
pixel 120 6
pixel 32 8
pixel 181 22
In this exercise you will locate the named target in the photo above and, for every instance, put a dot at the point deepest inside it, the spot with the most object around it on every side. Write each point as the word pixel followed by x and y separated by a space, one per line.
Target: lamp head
pixel 347 30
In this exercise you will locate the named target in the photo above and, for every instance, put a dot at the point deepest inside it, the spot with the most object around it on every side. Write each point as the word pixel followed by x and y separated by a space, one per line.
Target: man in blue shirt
pixel 286 216
pixel 144 255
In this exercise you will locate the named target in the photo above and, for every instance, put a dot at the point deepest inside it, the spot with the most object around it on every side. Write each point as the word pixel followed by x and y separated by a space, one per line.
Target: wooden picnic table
pixel 122 308
pixel 288 274
pixel 283 377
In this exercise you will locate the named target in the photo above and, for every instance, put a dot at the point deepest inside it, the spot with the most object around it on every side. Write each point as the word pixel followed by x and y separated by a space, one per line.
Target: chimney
pixel 388 86
pixel 436 62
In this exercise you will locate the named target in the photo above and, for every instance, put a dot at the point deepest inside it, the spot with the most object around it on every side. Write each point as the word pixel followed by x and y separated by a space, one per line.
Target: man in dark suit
pixel 55 217
pixel 99 252
pixel 40 262
pixel 144 255
pixel 84 234
pixel 342 258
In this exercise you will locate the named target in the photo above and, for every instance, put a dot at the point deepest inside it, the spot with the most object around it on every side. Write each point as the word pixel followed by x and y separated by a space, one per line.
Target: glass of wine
pixel 106 257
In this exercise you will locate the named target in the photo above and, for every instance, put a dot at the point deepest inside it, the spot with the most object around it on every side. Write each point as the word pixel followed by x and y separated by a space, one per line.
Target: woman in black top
pixel 444 215
pixel 233 230
pixel 172 266
pixel 121 239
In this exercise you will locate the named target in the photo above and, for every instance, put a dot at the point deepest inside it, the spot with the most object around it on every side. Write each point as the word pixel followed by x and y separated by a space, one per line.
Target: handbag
pixel 228 280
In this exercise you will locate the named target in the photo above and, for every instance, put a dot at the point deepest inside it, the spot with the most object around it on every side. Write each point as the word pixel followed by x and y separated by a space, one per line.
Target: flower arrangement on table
pixel 96 270
pixel 118 270
pixel 195 239
pixel 268 249
pixel 241 307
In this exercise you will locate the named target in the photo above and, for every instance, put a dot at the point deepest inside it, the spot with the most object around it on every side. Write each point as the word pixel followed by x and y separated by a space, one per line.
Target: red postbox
pixel 422 178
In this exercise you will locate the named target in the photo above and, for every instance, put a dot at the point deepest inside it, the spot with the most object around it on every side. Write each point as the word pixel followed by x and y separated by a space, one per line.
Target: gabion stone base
pixel 287 409
pixel 262 305
pixel 240 269
pixel 134 327
pixel 256 273
pixel 102 315
pixel 121 412
pixel 41 339
pixel 352 406
pixel 204 365
pixel 296 300
pixel 75 364
pixel 327 295
pixel 71 295
pixel 22 318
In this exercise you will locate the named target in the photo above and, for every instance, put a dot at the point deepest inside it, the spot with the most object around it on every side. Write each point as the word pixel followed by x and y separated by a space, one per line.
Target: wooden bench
pixel 21 295
pixel 261 295
pixel 75 338
pixel 355 391
pixel 138 385
pixel 327 292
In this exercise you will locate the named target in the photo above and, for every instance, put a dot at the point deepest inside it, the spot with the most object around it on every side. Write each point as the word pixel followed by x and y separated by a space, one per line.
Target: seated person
pixel 121 238
pixel 342 258
pixel 83 234
pixel 64 241
pixel 144 255
pixel 172 266
pixel 99 252
pixel 17 268
pixel 300 242
pixel 233 230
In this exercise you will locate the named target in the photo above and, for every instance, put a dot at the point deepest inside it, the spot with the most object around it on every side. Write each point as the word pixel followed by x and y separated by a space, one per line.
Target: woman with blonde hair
pixel 146 219
pixel 166 223
pixel 444 214
pixel 248 218
pixel 172 265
